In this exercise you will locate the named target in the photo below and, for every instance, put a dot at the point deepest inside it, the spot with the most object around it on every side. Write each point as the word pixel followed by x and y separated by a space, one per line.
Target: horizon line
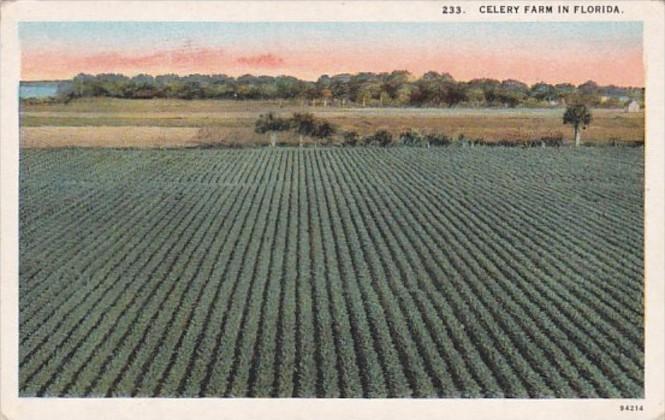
pixel 130 75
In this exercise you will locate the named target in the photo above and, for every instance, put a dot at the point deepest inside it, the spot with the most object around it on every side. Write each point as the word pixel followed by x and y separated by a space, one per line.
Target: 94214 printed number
pixel 631 407
pixel 451 10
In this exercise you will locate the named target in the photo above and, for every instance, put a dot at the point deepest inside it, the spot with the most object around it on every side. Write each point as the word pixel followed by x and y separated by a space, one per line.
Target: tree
pixel 367 92
pixel 512 92
pixel 394 82
pixel 588 88
pixel 454 94
pixel 543 91
pixel 367 89
pixel 304 124
pixel 437 89
pixel 404 94
pixel 340 86
pixel 508 98
pixel 577 115
pixel 85 85
pixel 269 123
pixel 484 90
pixel 288 87
pixel 326 94
pixel 323 130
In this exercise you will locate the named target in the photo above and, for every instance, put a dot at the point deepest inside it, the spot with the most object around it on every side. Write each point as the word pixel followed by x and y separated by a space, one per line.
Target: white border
pixel 651 13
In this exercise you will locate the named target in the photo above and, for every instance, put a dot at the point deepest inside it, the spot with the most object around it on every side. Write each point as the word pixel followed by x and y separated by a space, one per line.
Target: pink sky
pixel 604 54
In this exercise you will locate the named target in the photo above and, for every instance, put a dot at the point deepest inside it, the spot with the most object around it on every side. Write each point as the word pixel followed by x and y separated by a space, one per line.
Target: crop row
pixel 351 272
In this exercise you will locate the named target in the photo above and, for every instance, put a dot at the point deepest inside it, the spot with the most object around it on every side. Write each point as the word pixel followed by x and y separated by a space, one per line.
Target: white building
pixel 633 106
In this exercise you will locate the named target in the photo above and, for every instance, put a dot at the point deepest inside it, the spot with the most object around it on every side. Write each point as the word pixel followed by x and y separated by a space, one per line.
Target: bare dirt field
pixel 175 123
pixel 126 136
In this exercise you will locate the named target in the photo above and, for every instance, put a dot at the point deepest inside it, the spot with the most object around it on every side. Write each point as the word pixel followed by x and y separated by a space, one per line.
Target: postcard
pixel 291 209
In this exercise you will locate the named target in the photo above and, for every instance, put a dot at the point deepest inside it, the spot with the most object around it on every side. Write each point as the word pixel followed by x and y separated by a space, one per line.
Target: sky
pixel 553 52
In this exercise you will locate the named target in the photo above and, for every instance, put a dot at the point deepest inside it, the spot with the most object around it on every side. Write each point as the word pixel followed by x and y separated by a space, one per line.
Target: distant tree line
pixel 397 88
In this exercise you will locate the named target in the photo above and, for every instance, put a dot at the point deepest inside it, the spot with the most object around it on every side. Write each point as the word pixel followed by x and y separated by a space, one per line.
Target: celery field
pixel 453 272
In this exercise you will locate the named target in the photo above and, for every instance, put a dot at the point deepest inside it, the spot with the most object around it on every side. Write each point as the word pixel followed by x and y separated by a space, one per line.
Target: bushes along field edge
pixel 312 130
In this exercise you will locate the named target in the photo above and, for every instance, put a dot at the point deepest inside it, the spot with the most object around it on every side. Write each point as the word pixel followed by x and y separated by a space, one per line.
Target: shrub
pixel 505 143
pixel 437 139
pixel 350 138
pixel 551 140
pixel 555 140
pixel 410 138
pixel 381 138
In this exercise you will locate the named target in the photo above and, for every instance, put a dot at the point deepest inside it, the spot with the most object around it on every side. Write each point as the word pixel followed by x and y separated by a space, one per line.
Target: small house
pixel 633 106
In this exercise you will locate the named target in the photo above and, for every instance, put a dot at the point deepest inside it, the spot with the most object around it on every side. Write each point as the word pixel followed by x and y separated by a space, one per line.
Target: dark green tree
pixel 323 131
pixel 579 116
pixel 269 123
pixel 304 124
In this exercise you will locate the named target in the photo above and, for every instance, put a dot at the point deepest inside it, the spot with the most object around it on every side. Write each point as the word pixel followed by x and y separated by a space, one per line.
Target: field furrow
pixel 332 272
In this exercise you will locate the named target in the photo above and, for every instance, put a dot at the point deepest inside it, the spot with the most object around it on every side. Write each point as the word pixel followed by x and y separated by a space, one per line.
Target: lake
pixel 38 89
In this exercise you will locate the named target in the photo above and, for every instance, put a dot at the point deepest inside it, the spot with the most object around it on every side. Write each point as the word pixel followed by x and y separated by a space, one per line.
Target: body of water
pixel 38 90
